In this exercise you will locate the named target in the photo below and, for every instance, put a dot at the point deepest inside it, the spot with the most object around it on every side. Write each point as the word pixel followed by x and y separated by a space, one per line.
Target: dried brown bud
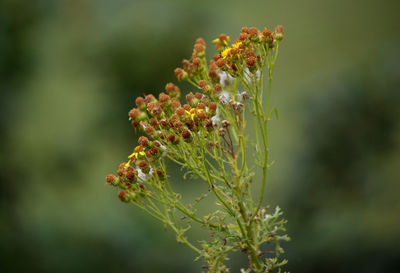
pixel 245 30
pixel 209 125
pixel 217 88
pixel 198 48
pixel 200 41
pixel 201 106
pixel 149 98
pixel 217 57
pixel 221 132
pixel 187 107
pixel 220 63
pixel 243 36
pixel 180 112
pixel 178 125
pixel 153 122
pixel 157 144
pixel 196 62
pixel 139 101
pixel 189 97
pixel 250 61
pixel 279 32
pixel 180 74
pixel 175 103
pixel 134 113
pixel 173 139
pixel 164 122
pixel 223 37
pixel 253 32
pixel 212 106
pixel 225 123
pixel 198 96
pixel 110 179
pixel 149 130
pixel 202 116
pixel 130 175
pixel 279 29
pixel 190 124
pixel 186 134
pixel 203 84
pixel 143 141
pixel 163 98
pixel 123 196
pixel 267 33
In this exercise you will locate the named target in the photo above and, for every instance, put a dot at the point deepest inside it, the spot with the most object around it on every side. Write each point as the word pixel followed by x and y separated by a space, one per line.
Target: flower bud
pixel 279 32
pixel 123 196
pixel 110 179
pixel 144 167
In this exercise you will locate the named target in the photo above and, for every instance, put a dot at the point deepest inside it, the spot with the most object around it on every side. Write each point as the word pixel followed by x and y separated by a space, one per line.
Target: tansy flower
pixel 224 53
pixel 192 112
pixel 136 152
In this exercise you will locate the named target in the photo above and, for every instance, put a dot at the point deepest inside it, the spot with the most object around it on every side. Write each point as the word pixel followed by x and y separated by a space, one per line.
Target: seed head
pixel 225 124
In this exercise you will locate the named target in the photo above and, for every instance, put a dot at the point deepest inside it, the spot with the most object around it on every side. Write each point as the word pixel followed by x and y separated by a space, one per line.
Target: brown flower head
pixel 143 141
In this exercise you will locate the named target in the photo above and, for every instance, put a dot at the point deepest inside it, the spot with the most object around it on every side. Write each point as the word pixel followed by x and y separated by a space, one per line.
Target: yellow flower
pixel 192 112
pixel 224 53
pixel 224 42
pixel 237 44
pixel 136 152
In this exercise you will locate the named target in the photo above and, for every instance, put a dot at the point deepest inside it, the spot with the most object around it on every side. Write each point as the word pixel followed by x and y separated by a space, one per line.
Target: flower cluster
pixel 206 135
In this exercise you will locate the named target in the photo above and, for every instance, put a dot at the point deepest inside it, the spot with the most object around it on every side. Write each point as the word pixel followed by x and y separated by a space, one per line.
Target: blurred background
pixel 69 74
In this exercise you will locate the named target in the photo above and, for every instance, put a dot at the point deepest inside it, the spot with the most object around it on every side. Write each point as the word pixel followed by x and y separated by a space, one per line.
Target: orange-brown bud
pixel 209 125
pixel 134 113
pixel 217 88
pixel 190 124
pixel 139 101
pixel 187 107
pixel 212 106
pixel 130 175
pixel 198 96
pixel 149 130
pixel 201 116
pixel 123 196
pixel 110 179
pixel 203 84
pixel 245 30
pixel 173 139
pixel 220 62
pixel 143 141
pixel 163 98
pixel 253 32
pixel 217 57
pixel 189 97
pixel 186 134
pixel 201 106
pixel 199 48
pixel 175 103
pixel 200 41
pixel 181 112
pixel 250 61
pixel 149 98
pixel 196 62
pixel 153 122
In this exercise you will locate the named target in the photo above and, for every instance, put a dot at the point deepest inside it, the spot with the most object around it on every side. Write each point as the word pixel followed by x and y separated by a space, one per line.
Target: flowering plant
pixel 207 136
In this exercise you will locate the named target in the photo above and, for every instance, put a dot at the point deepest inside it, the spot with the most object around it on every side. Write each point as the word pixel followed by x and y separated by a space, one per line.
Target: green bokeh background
pixel 69 74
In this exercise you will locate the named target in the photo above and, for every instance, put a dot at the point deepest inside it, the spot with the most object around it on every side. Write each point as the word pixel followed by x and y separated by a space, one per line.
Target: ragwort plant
pixel 207 136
